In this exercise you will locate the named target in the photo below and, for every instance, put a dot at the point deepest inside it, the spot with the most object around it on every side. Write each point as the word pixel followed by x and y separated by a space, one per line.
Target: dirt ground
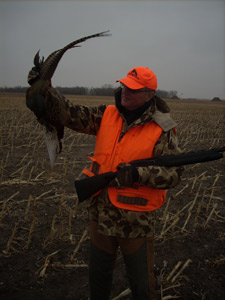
pixel 44 239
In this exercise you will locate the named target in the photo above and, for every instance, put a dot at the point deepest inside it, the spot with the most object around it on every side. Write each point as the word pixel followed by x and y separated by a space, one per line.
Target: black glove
pixel 125 177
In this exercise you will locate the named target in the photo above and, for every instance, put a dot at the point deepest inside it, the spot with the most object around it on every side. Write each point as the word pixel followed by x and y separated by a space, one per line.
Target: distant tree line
pixel 105 90
pixel 167 94
pixel 16 89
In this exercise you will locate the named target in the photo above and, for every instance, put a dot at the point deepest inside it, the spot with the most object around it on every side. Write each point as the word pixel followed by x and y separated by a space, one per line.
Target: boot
pixel 100 273
pixel 103 253
pixel 140 268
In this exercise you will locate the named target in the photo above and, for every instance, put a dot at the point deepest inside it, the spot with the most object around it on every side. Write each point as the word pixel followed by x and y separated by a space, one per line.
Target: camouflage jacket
pixel 112 220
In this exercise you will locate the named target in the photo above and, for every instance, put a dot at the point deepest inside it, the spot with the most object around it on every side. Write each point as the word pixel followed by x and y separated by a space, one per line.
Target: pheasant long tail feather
pixel 50 64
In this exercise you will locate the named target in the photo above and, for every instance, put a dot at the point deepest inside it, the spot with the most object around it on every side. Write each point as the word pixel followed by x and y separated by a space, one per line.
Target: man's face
pixel 132 99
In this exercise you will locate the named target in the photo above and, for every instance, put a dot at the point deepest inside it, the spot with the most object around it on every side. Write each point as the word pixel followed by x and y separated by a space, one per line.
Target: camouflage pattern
pixel 162 177
pixel 80 118
pixel 112 220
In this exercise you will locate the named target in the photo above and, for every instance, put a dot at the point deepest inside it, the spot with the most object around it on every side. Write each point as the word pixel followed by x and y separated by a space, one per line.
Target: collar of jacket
pixel 156 110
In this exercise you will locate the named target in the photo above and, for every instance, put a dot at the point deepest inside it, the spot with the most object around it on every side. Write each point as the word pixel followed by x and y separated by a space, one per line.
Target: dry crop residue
pixel 44 232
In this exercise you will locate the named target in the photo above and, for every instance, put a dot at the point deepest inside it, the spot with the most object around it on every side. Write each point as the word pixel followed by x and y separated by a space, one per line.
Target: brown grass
pixel 38 206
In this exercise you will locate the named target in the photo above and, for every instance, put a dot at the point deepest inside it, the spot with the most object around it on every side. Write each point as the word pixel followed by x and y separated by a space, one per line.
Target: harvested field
pixel 44 232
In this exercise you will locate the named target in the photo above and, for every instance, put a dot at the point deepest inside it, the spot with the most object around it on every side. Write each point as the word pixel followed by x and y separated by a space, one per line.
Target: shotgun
pixel 89 186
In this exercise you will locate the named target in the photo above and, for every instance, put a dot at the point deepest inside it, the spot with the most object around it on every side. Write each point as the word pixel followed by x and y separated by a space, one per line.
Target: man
pixel 123 214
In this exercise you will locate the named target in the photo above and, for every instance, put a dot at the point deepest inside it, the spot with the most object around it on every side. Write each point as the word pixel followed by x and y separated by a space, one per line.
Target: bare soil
pixel 44 239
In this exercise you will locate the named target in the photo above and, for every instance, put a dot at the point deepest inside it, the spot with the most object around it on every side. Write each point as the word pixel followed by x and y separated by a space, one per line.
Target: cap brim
pixel 130 83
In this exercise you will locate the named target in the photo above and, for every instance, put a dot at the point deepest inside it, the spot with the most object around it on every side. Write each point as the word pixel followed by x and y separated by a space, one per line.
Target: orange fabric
pixel 137 143
pixel 140 77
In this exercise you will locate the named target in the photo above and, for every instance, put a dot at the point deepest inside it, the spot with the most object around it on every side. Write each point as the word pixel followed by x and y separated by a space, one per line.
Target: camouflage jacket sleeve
pixel 162 177
pixel 81 118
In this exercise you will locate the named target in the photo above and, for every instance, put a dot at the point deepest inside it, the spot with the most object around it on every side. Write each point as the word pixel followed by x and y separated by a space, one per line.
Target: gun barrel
pixel 181 159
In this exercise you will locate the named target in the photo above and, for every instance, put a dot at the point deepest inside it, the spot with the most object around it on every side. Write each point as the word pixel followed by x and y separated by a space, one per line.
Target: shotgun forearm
pixel 91 185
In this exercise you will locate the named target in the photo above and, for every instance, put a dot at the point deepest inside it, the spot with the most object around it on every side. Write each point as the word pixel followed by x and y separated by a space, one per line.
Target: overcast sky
pixel 181 41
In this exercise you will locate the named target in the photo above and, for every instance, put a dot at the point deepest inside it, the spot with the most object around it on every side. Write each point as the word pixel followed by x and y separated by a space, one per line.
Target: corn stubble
pixel 40 204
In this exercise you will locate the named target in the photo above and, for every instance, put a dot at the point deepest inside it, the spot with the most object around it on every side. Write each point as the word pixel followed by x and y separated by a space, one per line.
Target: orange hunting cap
pixel 140 77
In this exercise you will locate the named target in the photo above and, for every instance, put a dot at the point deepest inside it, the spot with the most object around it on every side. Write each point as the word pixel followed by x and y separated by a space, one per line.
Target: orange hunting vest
pixel 110 150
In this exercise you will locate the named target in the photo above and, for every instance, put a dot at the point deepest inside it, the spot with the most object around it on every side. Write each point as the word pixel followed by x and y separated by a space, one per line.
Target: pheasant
pixel 45 101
